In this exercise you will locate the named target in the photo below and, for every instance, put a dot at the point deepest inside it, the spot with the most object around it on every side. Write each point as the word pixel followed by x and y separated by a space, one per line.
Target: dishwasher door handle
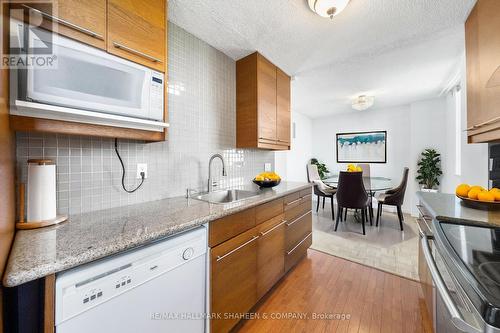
pixel 456 317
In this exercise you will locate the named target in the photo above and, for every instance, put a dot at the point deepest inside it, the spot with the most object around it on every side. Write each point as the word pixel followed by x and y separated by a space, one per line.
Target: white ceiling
pixel 399 50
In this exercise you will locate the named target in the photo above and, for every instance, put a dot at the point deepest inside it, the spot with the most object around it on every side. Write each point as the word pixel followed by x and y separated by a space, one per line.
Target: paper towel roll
pixel 41 203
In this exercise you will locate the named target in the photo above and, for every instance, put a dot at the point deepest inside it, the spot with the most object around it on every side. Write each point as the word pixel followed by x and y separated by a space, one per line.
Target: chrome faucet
pixel 212 184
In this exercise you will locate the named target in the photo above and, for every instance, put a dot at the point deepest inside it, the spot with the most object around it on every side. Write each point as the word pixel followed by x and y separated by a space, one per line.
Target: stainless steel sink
pixel 226 196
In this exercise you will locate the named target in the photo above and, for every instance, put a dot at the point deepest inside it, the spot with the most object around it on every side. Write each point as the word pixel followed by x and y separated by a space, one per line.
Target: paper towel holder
pixel 22 223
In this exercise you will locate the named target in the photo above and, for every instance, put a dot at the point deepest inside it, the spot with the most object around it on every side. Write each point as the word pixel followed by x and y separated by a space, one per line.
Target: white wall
pixel 291 165
pixel 410 129
pixel 427 130
pixel 474 157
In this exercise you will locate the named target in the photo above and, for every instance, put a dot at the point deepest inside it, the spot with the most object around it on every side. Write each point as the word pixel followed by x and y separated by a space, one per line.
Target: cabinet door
pixel 233 279
pixel 270 254
pixel 136 31
pixel 83 20
pixel 483 70
pixel 283 107
pixel 266 100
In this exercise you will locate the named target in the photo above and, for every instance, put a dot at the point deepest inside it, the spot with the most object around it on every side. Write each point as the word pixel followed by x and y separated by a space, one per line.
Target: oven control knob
pixel 188 253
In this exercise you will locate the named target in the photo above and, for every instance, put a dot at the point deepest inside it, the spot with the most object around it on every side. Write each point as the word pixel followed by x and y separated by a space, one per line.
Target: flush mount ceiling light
pixel 327 8
pixel 362 102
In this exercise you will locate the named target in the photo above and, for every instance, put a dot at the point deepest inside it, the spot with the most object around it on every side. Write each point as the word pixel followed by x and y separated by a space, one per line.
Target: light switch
pixel 267 167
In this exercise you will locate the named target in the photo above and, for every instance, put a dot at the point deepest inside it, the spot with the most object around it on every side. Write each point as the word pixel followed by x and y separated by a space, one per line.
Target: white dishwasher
pixel 158 288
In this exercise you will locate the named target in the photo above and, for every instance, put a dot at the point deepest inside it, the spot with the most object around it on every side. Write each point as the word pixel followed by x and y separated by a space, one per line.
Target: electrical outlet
pixel 267 167
pixel 142 167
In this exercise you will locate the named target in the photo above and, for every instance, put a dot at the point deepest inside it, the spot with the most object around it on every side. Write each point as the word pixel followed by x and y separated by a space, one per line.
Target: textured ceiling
pixel 402 50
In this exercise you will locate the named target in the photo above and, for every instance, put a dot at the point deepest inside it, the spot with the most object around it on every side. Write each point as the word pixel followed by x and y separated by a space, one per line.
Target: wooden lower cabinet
pixel 233 279
pixel 272 238
pixel 270 254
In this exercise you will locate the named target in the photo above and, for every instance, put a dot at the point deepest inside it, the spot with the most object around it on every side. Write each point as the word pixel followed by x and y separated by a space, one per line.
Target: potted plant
pixel 429 170
pixel 322 169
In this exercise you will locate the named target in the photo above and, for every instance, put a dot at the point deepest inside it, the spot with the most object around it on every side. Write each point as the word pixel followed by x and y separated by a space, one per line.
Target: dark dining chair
pixel 351 193
pixel 393 197
pixel 321 190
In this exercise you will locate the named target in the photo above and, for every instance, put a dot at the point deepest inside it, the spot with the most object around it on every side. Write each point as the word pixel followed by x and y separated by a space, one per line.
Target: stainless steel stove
pixel 465 268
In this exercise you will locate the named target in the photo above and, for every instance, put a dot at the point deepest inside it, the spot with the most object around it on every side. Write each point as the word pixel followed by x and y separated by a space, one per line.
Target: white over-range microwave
pixel 82 83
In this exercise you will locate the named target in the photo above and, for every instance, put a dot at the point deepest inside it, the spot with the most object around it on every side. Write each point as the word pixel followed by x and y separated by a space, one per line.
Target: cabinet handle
pixel 286 141
pixel 296 246
pixel 134 51
pixel 298 218
pixel 219 258
pixel 276 226
pixel 488 122
pixel 66 23
pixel 426 217
pixel 294 201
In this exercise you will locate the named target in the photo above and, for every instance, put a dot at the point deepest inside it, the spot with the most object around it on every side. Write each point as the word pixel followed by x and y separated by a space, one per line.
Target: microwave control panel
pixel 156 96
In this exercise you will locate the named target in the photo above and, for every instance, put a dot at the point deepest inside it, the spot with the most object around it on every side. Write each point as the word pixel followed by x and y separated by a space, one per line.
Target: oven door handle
pixel 456 317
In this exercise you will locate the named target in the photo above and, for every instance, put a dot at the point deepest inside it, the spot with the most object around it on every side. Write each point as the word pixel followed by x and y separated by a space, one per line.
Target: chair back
pixel 397 195
pixel 312 173
pixel 366 169
pixel 351 192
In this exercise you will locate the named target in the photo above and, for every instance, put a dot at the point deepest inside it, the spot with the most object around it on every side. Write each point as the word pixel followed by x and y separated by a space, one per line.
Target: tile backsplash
pixel 202 116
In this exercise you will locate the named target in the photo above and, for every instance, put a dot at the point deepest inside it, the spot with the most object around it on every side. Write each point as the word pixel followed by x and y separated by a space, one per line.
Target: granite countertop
pixel 94 235
pixel 448 208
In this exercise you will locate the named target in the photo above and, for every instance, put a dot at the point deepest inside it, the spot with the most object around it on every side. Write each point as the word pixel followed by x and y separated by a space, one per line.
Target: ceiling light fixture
pixel 327 8
pixel 363 102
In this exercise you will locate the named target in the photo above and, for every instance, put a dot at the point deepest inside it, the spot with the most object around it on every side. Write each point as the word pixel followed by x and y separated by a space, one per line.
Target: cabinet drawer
pixel 295 199
pixel 270 254
pixel 293 256
pixel 233 287
pixel 268 210
pixel 297 211
pixel 227 227
pixel 306 192
pixel 297 229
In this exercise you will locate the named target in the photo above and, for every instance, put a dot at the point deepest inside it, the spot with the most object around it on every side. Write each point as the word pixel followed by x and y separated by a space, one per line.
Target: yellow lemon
pixel 462 190
pixel 485 196
pixel 497 195
pixel 259 178
pixel 494 189
pixel 359 169
pixel 473 193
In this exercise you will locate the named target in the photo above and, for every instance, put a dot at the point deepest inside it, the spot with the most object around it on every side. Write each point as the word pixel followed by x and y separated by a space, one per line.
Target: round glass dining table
pixel 372 184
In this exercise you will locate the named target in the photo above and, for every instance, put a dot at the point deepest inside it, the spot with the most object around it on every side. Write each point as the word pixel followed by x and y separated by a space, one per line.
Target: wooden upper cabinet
pixel 137 31
pixel 266 92
pixel 83 20
pixel 483 71
pixel 283 107
pixel 262 104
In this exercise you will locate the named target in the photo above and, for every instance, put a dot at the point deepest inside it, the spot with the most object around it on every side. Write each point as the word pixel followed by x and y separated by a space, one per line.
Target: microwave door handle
pixel 66 23
pixel 456 317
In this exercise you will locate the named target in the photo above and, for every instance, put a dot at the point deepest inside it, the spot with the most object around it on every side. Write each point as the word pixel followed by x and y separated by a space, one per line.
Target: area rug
pixel 385 248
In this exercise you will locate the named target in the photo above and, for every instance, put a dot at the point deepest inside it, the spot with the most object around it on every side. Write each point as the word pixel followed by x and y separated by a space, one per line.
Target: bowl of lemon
pixel 478 197
pixel 267 179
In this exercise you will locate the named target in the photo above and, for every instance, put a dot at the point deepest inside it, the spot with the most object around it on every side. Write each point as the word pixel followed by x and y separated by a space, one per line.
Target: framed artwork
pixel 362 147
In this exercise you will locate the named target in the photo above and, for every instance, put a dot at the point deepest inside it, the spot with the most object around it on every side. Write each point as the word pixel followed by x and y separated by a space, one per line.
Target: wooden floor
pixel 375 301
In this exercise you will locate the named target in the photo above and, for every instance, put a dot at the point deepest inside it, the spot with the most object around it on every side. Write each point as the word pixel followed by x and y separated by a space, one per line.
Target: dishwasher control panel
pixel 87 286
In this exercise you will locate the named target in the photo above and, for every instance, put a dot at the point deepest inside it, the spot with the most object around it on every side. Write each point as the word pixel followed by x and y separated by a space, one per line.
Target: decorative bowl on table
pixel 474 203
pixel 267 183
pixel 478 197
pixel 267 179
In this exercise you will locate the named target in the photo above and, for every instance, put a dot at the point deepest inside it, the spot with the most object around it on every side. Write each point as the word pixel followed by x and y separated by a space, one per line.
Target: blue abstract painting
pixel 362 147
